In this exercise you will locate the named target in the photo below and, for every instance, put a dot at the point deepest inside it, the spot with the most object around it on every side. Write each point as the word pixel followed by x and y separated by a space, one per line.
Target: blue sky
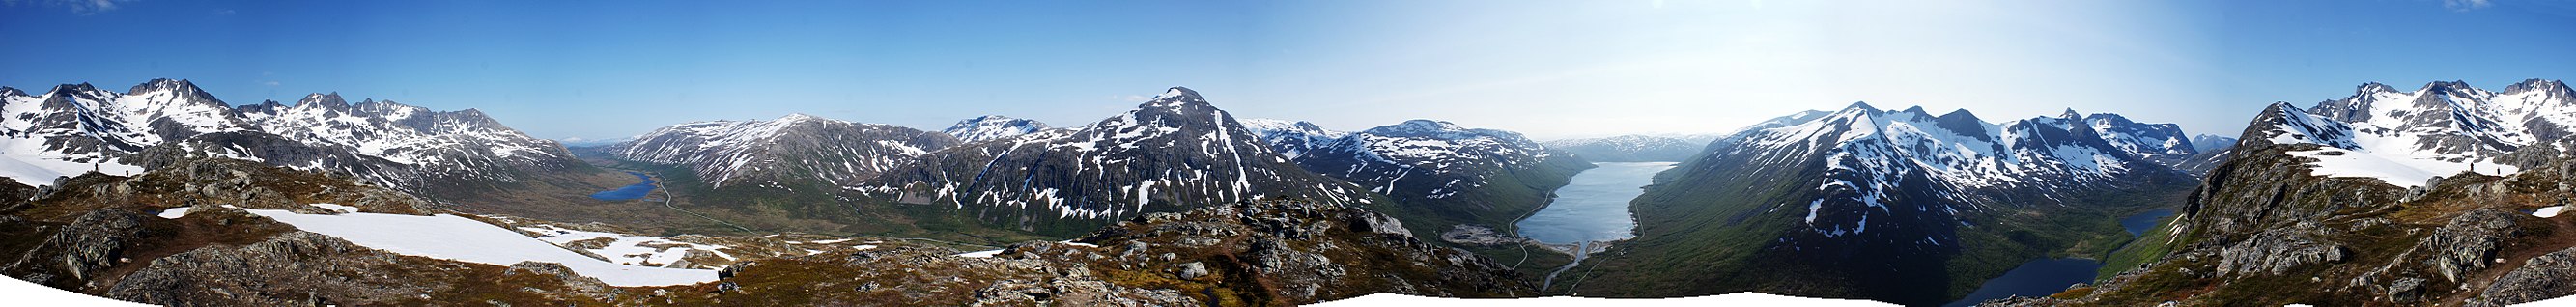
pixel 1551 69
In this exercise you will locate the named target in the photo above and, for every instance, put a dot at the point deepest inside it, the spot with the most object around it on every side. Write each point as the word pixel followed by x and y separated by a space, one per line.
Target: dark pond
pixel 2034 278
pixel 2050 276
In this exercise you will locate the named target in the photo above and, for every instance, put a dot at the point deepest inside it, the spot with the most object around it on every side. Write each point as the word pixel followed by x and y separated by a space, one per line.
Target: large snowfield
pixel 23 160
pixel 2402 171
pixel 461 239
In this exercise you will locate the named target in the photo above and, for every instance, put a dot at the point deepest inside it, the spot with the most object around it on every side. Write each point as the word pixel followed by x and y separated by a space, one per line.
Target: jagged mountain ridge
pixel 783 152
pixel 1169 152
pixel 2162 143
pixel 164 120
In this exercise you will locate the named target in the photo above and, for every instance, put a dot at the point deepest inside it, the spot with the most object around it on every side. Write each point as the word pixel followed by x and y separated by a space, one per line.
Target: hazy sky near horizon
pixel 1549 69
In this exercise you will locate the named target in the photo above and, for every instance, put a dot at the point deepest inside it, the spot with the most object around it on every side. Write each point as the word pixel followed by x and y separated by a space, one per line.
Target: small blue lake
pixel 2042 277
pixel 638 190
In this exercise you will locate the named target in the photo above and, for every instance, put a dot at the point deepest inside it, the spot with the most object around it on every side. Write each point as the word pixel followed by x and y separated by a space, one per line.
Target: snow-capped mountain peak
pixel 1908 178
pixel 800 117
pixel 1177 96
pixel 331 101
pixel 990 127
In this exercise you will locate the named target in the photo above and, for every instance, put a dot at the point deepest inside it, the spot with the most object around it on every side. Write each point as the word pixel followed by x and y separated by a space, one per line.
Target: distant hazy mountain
pixel 789 152
pixel 64 130
pixel 1291 139
pixel 1173 153
pixel 990 127
pixel 589 142
pixel 1876 204
pixel 2211 142
pixel 1630 148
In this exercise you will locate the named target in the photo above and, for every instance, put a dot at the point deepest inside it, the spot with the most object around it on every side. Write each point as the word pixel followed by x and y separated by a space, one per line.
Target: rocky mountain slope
pixel 161 238
pixel 74 128
pixel 990 127
pixel 2447 195
pixel 795 152
pixel 1900 206
pixel 1442 175
pixel 1169 154
pixel 1629 148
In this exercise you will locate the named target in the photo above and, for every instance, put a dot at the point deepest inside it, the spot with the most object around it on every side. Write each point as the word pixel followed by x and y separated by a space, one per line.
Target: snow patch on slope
pixel 461 239
pixel 629 249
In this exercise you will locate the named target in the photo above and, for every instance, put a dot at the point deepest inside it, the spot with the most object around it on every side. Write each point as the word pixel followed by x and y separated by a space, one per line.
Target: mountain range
pixel 1901 206
pixel 74 128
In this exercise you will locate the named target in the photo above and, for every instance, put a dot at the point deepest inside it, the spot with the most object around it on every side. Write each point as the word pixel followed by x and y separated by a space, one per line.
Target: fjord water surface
pixel 634 191
pixel 1594 207
pixel 1591 208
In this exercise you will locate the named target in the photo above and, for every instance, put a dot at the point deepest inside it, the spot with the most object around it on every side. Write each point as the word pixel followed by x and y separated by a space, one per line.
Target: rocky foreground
pixel 99 235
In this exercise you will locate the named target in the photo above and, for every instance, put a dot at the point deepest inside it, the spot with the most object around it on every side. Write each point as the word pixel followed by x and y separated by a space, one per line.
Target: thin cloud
pixel 2465 5
pixel 83 7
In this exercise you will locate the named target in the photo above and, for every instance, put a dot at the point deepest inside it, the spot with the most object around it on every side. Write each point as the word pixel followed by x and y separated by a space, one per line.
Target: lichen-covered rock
pixel 2276 252
pixel 2466 243
pixel 81 249
pixel 2548 276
